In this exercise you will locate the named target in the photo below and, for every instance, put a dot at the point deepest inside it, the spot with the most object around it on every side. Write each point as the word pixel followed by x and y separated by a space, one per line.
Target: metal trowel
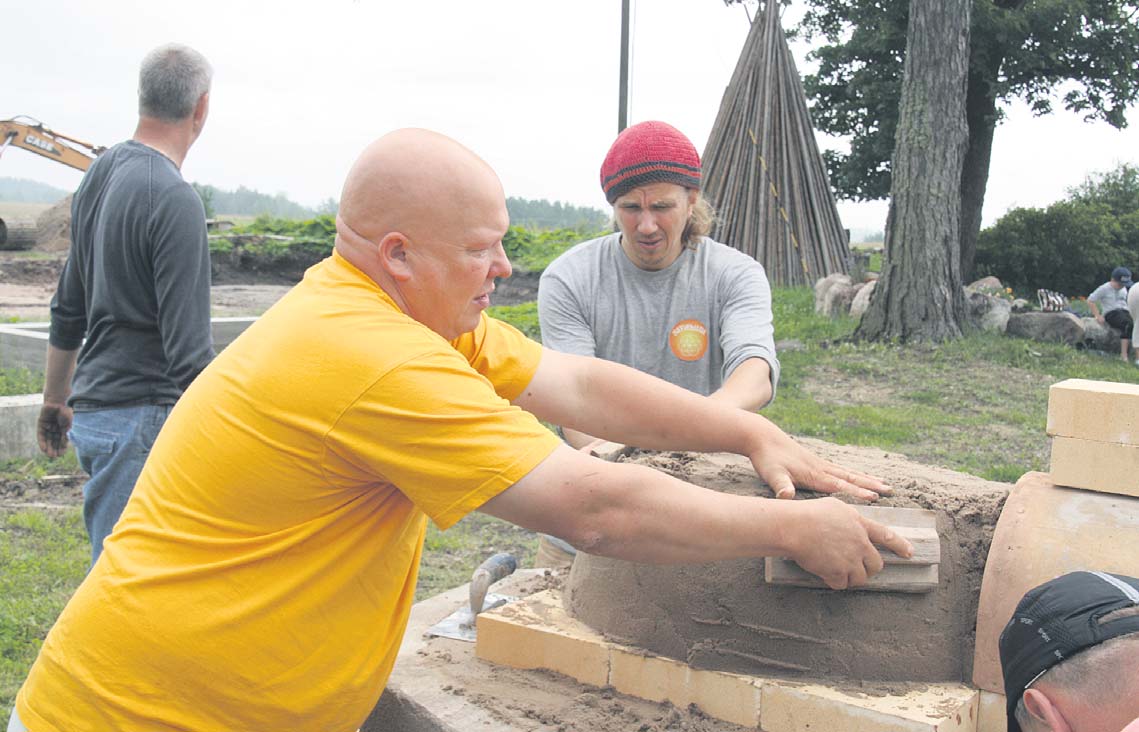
pixel 460 624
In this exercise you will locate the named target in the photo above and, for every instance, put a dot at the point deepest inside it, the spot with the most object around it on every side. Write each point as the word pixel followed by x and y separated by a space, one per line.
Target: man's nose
pixel 501 265
pixel 647 223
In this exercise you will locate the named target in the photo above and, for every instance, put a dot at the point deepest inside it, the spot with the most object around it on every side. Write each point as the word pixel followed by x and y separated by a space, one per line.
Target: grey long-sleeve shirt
pixel 136 283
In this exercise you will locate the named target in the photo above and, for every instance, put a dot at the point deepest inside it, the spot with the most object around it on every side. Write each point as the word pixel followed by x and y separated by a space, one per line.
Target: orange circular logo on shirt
pixel 688 340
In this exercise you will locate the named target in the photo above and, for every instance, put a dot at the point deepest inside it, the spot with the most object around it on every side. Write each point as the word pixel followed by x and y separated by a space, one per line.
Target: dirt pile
pixel 54 228
pixel 723 616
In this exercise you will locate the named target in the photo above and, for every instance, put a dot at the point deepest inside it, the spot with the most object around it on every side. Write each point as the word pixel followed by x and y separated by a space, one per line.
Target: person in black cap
pixel 1070 655
pixel 1111 299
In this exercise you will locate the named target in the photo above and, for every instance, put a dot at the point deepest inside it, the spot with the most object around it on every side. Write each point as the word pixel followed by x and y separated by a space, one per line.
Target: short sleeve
pixel 565 326
pixel 435 428
pixel 502 354
pixel 746 328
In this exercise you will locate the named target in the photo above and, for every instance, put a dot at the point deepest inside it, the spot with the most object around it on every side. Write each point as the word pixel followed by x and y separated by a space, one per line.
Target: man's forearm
pixel 748 387
pixel 624 405
pixel 59 369
pixel 632 512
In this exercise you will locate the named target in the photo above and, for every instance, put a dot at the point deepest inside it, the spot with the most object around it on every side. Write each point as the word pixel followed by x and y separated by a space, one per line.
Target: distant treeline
pixel 531 213
pixel 542 214
pixel 248 202
pixel 22 190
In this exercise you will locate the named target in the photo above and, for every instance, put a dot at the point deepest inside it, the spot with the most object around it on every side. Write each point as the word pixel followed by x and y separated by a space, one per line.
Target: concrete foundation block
pixel 1103 411
pixel 991 715
pixel 792 707
pixel 537 633
pixel 23 345
pixel 18 416
pixel 1109 467
pixel 733 698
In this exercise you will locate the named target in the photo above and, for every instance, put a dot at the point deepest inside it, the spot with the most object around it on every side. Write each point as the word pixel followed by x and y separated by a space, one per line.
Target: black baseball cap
pixel 1058 620
pixel 1121 274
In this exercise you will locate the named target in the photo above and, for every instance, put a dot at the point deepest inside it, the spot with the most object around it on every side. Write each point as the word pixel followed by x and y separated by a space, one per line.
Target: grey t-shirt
pixel 136 283
pixel 690 324
pixel 1108 298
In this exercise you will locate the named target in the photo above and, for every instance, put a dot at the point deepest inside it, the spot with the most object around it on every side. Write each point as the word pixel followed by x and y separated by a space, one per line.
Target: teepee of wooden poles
pixel 762 169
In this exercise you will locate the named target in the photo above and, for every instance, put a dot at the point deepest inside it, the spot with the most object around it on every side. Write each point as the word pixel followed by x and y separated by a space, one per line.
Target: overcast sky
pixel 530 85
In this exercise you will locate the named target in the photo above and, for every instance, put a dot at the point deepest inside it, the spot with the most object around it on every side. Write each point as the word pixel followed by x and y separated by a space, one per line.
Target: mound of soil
pixel 54 228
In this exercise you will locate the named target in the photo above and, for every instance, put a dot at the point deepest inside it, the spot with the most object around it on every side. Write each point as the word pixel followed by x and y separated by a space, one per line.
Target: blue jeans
pixel 112 445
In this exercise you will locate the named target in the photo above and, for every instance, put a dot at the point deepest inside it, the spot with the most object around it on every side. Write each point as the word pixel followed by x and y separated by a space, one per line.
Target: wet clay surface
pixel 723 616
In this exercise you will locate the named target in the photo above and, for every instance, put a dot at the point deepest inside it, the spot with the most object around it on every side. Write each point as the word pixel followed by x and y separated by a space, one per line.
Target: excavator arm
pixel 34 137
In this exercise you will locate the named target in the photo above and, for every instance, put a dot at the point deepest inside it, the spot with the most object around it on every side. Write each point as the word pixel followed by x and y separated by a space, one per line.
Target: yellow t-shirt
pixel 262 574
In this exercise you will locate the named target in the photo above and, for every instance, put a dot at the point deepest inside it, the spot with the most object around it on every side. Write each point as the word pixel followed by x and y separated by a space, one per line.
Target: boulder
pixel 837 300
pixel 825 284
pixel 1053 327
pixel 1100 337
pixel 1020 305
pixel 986 285
pixel 987 312
pixel 861 300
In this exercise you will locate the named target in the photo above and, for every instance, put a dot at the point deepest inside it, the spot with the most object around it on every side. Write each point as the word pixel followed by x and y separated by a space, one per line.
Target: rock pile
pixel 988 308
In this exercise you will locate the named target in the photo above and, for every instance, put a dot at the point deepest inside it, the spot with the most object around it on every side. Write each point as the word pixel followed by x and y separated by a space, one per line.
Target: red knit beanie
pixel 649 152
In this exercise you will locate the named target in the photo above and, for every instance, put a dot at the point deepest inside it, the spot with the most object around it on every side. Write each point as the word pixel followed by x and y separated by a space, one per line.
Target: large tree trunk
pixel 981 115
pixel 919 297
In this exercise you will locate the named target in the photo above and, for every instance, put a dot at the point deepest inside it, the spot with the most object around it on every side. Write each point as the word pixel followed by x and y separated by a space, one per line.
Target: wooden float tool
pixel 915 575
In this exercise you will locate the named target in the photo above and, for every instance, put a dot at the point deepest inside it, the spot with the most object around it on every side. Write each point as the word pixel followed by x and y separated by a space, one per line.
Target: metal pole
pixel 623 92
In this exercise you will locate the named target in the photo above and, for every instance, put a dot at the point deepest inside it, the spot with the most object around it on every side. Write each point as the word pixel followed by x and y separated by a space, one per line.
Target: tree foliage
pixel 1072 245
pixel 1082 54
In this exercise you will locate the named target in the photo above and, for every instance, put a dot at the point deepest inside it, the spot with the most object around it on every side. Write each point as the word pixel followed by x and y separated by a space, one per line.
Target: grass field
pixel 977 405
pixel 14 211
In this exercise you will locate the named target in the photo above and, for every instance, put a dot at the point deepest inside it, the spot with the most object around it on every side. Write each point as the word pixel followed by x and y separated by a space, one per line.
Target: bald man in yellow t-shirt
pixel 262 574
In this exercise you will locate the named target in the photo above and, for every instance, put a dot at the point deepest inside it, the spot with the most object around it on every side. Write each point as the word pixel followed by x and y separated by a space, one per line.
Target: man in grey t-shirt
pixel 1108 304
pixel 131 316
pixel 658 294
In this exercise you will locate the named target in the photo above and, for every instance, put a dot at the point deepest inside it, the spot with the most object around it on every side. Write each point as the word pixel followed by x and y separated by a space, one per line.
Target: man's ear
pixel 393 251
pixel 1044 711
pixel 201 111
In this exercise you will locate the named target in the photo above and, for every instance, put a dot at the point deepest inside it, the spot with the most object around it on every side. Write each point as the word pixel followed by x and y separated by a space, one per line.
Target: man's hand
pixel 784 463
pixel 51 428
pixel 835 542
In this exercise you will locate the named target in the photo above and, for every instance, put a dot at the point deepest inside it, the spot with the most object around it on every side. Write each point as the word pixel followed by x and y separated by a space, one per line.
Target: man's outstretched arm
pixel 632 512
pixel 624 405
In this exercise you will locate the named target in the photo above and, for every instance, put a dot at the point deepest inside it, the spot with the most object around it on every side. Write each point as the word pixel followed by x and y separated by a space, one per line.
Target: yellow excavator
pixel 33 136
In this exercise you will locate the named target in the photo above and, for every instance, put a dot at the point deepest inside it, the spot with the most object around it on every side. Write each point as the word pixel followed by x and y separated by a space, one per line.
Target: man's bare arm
pixel 748 387
pixel 623 405
pixel 632 512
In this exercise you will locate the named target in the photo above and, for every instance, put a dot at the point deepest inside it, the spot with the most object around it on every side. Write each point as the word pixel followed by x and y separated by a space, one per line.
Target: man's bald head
pixel 417 182
pixel 424 217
